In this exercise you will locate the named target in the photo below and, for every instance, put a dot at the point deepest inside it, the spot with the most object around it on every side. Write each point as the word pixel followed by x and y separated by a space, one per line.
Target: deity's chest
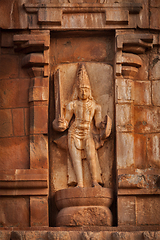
pixel 84 111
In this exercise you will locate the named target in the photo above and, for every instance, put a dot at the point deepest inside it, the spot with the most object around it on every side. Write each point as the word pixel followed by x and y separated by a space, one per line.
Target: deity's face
pixel 84 93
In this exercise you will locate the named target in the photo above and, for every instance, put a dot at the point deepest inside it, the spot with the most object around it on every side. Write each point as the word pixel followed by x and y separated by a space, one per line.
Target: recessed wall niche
pixel 94 50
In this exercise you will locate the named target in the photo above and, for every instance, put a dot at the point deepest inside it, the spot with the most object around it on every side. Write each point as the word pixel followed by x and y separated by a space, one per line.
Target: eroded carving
pixel 82 116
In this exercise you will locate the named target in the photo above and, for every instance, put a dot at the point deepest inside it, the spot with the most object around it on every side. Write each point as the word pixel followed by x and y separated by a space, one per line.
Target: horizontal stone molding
pixel 61 16
pixel 130 192
pixel 139 179
pixel 132 7
pixel 24 182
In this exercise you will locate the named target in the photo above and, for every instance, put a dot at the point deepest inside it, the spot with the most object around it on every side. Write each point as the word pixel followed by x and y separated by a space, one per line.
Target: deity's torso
pixel 84 112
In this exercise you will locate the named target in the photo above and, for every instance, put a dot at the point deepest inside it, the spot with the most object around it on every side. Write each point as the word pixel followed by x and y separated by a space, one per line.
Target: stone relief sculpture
pixel 87 132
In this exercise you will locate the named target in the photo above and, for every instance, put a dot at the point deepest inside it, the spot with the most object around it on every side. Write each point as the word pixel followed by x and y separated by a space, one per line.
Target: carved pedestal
pixel 84 207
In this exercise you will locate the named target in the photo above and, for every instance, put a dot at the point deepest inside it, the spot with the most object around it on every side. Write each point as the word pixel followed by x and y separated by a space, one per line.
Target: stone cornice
pixel 93 16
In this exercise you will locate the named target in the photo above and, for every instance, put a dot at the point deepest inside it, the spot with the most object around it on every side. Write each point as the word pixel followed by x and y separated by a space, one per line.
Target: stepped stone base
pixel 84 207
pixel 98 233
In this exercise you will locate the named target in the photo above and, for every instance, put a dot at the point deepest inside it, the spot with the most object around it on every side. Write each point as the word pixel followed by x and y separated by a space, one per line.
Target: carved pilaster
pixel 35 46
pixel 133 178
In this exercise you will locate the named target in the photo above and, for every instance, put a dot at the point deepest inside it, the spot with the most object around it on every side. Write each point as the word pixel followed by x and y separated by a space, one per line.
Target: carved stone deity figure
pixel 87 115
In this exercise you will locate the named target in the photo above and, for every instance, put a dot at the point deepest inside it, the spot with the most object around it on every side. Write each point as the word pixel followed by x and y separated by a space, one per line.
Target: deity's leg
pixel 91 158
pixel 76 160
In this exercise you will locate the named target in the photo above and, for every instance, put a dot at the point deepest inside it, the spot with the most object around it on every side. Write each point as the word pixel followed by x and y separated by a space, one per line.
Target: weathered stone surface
pixel 5 235
pixel 50 16
pixel 9 66
pixel 6 39
pixel 39 211
pixel 122 15
pixel 38 151
pixel 140 178
pixel 82 49
pixel 96 196
pixel 133 42
pixel 139 149
pixel 14 93
pixel 126 210
pixel 91 235
pixel 125 235
pixel 155 3
pixel 142 93
pixel 26 121
pixel 117 16
pixel 14 153
pixel 155 93
pixel 60 235
pixel 24 182
pixel 124 90
pixel 146 119
pixel 6 128
pixel 124 121
pixel 154 71
pixel 39 119
pixel 38 94
pixel 148 235
pixel 36 234
pixel 130 59
pixel 33 60
pixel 125 150
pixel 154 18
pixel 67 234
pixel 157 235
pixel 16 235
pixel 147 210
pixel 143 70
pixel 143 21
pixel 153 150
pixel 129 72
pixel 13 15
pixel 85 216
pixel 140 143
pixel 38 81
pixel 18 121
pixel 75 203
pixel 14 212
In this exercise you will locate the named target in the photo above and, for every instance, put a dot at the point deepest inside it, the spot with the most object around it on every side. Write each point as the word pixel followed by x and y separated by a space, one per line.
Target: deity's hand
pixel 103 125
pixel 60 124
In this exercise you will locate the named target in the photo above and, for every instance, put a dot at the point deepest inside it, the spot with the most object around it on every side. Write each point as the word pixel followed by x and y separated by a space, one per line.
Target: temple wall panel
pixel 44 43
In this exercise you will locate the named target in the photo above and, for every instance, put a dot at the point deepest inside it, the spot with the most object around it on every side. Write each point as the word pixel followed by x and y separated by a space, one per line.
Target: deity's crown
pixel 83 79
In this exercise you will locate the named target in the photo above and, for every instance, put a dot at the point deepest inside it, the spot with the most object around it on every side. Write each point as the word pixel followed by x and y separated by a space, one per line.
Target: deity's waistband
pixel 81 131
pixel 81 124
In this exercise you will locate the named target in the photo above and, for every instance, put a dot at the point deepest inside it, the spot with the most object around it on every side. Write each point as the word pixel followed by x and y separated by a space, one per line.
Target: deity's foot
pixel 96 184
pixel 79 186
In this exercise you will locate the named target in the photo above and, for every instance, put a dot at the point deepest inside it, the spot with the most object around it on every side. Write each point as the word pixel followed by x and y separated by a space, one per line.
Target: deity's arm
pixel 98 116
pixel 61 124
pixel 69 112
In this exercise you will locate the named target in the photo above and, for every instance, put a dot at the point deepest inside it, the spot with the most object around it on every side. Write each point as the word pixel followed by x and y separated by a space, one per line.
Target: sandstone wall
pixel 123 34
